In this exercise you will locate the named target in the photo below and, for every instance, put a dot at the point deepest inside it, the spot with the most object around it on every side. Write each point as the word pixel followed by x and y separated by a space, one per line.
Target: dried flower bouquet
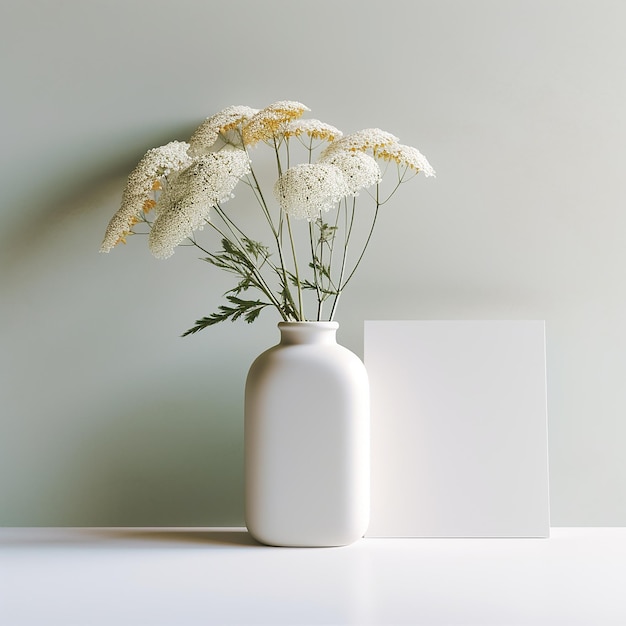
pixel 178 189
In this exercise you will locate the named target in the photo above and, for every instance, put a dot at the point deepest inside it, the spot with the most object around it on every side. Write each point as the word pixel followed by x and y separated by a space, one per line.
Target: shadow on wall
pixel 108 417
pixel 175 460
pixel 76 187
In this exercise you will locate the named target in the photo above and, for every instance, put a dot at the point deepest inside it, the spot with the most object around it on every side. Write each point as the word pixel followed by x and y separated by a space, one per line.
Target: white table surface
pixel 188 577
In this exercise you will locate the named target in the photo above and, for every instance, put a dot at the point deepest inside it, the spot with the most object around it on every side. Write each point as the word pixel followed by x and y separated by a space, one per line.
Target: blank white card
pixel 459 428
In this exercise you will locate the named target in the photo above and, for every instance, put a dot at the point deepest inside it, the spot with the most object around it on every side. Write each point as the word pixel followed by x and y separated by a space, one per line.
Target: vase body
pixel 307 447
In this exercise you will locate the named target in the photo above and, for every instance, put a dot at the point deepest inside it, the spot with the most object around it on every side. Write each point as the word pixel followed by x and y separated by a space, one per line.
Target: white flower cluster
pixel 407 155
pixel 362 140
pixel 307 189
pixel 359 169
pixel 185 204
pixel 196 176
pixel 267 122
pixel 207 133
pixel 312 128
pixel 383 145
pixel 156 164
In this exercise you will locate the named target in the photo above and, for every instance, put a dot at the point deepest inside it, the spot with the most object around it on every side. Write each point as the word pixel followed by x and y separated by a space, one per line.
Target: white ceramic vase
pixel 307 447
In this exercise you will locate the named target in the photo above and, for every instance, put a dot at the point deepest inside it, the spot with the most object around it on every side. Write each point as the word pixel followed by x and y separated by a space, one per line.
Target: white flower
pixel 205 136
pixel 185 204
pixel 268 121
pixel 312 128
pixel 306 190
pixel 359 169
pixel 143 180
pixel 362 140
pixel 405 155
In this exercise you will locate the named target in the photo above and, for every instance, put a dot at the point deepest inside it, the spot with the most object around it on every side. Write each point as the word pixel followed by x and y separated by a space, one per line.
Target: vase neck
pixel 297 333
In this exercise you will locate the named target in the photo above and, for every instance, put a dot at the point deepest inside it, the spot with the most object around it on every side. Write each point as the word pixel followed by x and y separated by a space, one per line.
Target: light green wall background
pixel 109 418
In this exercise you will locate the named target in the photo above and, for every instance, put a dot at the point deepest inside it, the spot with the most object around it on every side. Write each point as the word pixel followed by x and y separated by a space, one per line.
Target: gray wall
pixel 109 418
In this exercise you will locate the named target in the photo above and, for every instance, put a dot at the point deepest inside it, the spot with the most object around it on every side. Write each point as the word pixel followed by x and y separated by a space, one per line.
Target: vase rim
pixel 309 324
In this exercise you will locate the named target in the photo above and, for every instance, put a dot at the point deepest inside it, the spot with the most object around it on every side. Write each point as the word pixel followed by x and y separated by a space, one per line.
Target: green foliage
pixel 256 249
pixel 248 309
pixel 234 260
pixel 245 262
pixel 326 231
pixel 320 268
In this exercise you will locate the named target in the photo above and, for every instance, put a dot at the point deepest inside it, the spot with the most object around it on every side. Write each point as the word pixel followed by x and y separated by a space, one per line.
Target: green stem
pixel 260 282
pixel 300 308
pixel 344 257
pixel 278 165
pixel 236 231
pixel 315 273
pixel 369 236
pixel 401 179
pixel 289 301
pixel 332 248
pixel 301 317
